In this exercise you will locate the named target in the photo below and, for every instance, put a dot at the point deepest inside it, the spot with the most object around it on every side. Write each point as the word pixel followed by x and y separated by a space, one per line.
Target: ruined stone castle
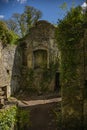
pixel 33 64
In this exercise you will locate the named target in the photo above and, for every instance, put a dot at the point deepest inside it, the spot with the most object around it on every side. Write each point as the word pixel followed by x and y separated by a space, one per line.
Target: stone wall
pixel 3 80
pixel 10 68
pixel 39 57
pixel 33 63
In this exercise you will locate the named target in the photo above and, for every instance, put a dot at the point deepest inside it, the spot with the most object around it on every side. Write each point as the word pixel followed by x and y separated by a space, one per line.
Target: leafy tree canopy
pixel 71 28
pixel 7 36
pixel 21 23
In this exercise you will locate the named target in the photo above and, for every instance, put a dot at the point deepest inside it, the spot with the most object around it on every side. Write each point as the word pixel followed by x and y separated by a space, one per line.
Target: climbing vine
pixel 70 29
pixel 70 37
pixel 69 34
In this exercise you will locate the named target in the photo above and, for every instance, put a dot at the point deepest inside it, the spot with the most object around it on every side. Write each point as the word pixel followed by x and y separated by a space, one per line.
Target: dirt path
pixel 43 117
pixel 42 113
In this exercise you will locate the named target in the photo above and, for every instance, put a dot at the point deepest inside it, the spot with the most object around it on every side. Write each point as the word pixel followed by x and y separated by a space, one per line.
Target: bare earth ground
pixel 42 110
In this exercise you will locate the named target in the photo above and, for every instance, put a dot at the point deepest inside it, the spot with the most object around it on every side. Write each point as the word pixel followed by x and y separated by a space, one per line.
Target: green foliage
pixel 32 15
pixel 8 118
pixel 48 75
pixel 39 80
pixel 70 29
pixel 58 116
pixel 7 36
pixel 64 6
pixel 21 23
pixel 13 116
pixel 13 38
pixel 70 38
pixel 69 33
pixel 23 117
pixel 30 88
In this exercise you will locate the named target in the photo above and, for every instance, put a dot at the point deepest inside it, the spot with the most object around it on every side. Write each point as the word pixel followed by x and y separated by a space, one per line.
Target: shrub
pixel 8 118
pixel 6 35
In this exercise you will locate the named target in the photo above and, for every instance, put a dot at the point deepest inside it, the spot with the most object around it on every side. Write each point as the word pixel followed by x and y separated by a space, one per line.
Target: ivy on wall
pixel 48 76
pixel 70 35
pixel 71 28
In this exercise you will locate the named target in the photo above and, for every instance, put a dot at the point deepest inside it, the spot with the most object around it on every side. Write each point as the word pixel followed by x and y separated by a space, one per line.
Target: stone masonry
pixel 39 56
pixel 9 69
pixel 32 64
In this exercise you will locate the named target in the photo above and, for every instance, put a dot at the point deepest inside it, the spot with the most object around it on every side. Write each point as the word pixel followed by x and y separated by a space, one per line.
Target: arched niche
pixel 40 58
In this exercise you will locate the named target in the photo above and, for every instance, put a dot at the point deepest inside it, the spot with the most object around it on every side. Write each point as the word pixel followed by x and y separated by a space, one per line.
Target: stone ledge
pixel 24 103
